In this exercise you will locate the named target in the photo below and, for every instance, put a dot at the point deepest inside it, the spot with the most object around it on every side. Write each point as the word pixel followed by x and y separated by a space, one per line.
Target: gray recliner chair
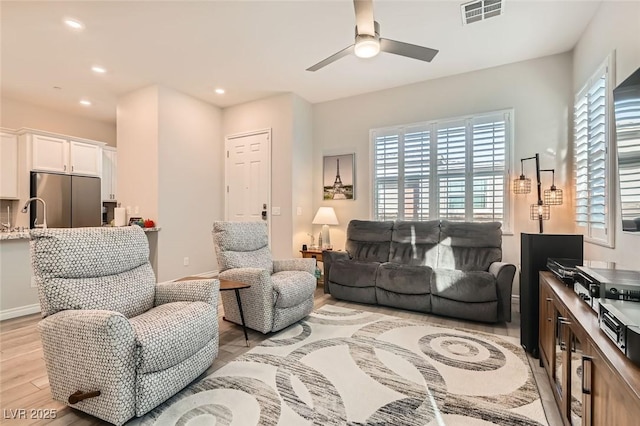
pixel 116 344
pixel 281 291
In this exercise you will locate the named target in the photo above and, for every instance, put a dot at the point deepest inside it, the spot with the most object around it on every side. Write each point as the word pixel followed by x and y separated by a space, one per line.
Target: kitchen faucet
pixel 44 212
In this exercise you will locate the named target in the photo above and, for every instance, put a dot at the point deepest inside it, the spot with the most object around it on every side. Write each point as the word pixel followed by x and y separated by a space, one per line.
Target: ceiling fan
pixel 369 43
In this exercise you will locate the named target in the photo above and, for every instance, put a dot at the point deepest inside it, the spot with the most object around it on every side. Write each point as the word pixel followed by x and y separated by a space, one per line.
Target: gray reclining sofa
pixel 446 268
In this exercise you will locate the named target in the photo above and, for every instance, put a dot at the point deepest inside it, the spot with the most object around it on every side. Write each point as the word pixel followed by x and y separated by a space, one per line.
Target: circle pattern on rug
pixel 438 346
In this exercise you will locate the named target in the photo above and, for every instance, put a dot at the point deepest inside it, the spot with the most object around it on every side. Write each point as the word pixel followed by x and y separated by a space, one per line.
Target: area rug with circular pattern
pixel 346 367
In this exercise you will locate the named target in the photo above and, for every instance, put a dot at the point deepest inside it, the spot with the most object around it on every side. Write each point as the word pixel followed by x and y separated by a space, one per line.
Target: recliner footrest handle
pixel 78 396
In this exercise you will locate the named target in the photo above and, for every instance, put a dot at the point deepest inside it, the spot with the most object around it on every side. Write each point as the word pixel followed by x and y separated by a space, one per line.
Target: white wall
pixel 16 114
pixel 17 297
pixel 138 174
pixel 539 91
pixel 190 183
pixel 616 26
pixel 302 173
pixel 275 113
pixel 170 167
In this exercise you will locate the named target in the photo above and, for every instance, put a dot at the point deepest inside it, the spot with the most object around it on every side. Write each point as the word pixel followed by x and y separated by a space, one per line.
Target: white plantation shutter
pixel 591 158
pixel 454 170
pixel 489 164
pixel 628 140
pixel 451 154
pixel 386 164
pixel 417 167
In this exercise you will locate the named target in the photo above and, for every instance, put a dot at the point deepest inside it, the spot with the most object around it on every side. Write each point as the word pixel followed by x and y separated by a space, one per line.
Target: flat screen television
pixel 626 101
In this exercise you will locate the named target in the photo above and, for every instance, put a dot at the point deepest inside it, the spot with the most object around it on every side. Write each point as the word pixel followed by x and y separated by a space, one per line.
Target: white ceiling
pixel 256 49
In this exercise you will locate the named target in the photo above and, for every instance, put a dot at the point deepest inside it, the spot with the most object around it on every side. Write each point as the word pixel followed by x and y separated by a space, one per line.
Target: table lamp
pixel 325 216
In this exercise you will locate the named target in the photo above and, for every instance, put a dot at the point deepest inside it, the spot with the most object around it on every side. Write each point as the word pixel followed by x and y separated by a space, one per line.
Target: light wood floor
pixel 24 383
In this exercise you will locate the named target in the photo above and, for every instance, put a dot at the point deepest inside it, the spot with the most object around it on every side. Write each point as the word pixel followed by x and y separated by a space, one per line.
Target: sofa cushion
pixel 291 288
pixel 369 240
pixel 414 243
pixel 353 273
pixel 169 334
pixel 470 286
pixel 481 311
pixel 469 246
pixel 411 302
pixel 404 279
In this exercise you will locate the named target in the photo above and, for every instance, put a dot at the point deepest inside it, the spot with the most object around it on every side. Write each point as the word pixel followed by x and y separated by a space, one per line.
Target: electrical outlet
pixel 185 261
pixel 299 211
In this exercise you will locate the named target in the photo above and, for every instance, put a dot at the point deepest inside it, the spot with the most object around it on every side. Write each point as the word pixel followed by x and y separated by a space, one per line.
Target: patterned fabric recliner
pixel 108 327
pixel 281 291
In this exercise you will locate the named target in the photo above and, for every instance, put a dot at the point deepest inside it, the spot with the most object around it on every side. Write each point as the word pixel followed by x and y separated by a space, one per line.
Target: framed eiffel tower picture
pixel 338 177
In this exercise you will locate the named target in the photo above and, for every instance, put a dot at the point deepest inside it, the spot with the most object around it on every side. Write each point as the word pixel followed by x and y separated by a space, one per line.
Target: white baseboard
pixel 19 311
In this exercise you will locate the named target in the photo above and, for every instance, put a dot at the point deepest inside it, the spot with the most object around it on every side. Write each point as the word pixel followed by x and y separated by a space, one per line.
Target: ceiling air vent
pixel 479 10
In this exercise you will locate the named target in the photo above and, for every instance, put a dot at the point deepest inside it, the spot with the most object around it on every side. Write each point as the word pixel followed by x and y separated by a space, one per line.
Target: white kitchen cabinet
pixel 65 155
pixel 9 166
pixel 109 173
pixel 49 154
pixel 85 159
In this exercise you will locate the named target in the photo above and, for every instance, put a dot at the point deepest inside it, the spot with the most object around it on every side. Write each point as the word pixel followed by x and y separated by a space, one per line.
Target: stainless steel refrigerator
pixel 72 201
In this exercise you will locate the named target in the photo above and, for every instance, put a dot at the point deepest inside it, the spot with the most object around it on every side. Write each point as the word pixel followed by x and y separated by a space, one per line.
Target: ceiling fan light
pixel 367 46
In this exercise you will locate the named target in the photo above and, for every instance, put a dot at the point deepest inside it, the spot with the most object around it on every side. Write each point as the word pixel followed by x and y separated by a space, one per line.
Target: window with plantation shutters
pixel 452 169
pixel 627 110
pixel 592 160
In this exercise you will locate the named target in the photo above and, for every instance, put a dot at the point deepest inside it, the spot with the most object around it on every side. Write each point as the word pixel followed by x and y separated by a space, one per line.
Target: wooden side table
pixel 226 285
pixel 314 254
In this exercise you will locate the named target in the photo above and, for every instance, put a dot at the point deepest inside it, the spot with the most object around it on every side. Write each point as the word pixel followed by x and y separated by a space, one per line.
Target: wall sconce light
pixel 552 196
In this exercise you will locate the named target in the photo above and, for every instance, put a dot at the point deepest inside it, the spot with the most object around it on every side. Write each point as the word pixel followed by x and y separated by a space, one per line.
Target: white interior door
pixel 248 177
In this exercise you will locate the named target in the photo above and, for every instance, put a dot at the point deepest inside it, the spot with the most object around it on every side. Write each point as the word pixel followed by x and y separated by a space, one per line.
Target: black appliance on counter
pixel 592 284
pixel 72 201
pixel 620 321
pixel 535 250
pixel 563 269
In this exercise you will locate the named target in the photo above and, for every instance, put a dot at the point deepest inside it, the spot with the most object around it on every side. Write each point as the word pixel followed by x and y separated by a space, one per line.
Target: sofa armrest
pixel 328 257
pixel 205 290
pixel 306 265
pixel 92 350
pixel 504 273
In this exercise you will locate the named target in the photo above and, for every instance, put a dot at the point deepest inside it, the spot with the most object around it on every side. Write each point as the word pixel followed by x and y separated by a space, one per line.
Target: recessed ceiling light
pixel 74 24
pixel 85 102
pixel 220 91
pixel 98 69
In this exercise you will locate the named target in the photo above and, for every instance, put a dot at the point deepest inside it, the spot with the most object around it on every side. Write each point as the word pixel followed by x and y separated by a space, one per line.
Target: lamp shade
pixel 539 211
pixel 553 196
pixel 325 216
pixel 522 185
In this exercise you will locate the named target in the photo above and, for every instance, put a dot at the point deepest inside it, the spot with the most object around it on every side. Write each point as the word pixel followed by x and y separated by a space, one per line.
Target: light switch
pixel 299 211
pixel 275 211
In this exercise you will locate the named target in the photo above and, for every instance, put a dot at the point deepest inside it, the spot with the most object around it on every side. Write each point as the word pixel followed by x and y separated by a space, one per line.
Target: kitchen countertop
pixel 14 235
pixel 24 235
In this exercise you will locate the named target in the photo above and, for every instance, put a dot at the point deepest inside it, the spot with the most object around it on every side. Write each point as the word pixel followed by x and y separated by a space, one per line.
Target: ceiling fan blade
pixel 406 49
pixel 364 17
pixel 344 52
